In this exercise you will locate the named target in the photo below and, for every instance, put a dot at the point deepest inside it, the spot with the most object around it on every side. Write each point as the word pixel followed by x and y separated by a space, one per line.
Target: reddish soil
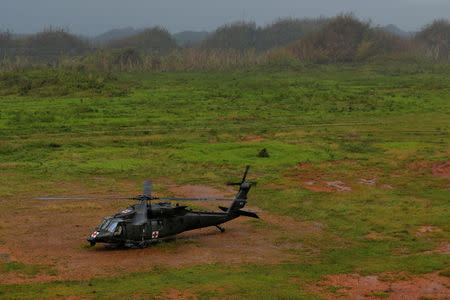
pixel 53 234
pixel 442 170
pixel 354 286
pixel 422 230
pixel 313 178
pixel 375 236
pixel 250 138
pixel 177 294
pixel 438 169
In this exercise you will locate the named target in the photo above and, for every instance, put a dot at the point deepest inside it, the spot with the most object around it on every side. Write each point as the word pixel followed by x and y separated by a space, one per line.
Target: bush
pixel 347 39
pixel 128 58
pixel 53 42
pixel 238 36
pixel 242 36
pixel 433 40
pixel 152 40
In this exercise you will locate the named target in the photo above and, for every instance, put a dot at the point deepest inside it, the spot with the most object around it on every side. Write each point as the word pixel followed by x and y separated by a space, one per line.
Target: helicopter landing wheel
pixel 220 228
pixel 92 244
pixel 142 245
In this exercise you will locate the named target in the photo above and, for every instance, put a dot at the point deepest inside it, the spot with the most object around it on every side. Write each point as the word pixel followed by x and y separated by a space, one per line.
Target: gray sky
pixel 90 17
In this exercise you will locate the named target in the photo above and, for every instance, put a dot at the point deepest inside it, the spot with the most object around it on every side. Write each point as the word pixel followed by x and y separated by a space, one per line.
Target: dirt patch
pixel 339 185
pixel 423 230
pixel 53 234
pixel 375 236
pixel 178 295
pixel 325 177
pixel 317 186
pixel 442 170
pixel 250 139
pixel 355 286
pixel 371 181
pixel 443 248
pixel 438 169
pixel 313 177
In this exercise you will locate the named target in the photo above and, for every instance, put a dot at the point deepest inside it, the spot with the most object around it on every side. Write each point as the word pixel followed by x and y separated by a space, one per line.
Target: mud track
pixel 53 234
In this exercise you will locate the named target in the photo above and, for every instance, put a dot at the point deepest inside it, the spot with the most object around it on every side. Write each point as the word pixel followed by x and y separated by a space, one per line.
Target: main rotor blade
pixel 82 198
pixel 196 199
pixel 147 191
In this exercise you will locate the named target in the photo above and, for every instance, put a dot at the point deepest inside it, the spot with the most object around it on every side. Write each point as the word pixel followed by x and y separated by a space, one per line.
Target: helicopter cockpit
pixel 108 227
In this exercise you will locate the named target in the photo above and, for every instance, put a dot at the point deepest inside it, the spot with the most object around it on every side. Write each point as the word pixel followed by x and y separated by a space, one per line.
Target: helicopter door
pixel 157 226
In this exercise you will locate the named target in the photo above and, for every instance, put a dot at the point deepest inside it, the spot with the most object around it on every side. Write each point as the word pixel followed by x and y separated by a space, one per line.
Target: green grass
pixel 322 123
pixel 25 269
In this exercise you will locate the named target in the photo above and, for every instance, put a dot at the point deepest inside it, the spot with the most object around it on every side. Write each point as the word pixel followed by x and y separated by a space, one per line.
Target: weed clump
pixel 263 153
pixel 56 82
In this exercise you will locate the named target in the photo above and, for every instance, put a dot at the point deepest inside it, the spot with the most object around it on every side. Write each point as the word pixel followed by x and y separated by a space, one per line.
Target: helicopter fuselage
pixel 163 220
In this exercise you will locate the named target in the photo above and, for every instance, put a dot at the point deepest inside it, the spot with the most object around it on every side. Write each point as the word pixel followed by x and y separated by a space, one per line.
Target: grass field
pixel 360 150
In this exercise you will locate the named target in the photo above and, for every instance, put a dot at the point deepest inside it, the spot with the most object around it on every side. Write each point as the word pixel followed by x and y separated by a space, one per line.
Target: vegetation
pixel 243 36
pixel 435 40
pixel 189 127
pixel 346 39
pixel 150 40
pixel 235 46
pixel 345 127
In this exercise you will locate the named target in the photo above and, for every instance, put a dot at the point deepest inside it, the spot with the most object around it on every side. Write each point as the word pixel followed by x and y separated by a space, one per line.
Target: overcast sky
pixel 90 17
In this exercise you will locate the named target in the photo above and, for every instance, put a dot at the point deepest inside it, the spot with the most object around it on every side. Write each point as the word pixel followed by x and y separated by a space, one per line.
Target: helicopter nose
pixel 95 234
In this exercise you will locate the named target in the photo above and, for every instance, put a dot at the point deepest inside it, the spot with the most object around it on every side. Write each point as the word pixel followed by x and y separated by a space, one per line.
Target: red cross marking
pixel 155 234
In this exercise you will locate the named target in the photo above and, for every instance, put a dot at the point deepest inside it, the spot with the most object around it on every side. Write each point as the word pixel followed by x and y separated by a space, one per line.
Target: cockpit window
pixel 104 224
pixel 112 226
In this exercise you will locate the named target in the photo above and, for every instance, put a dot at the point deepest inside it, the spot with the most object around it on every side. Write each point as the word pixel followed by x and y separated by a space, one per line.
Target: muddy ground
pixel 384 286
pixel 52 234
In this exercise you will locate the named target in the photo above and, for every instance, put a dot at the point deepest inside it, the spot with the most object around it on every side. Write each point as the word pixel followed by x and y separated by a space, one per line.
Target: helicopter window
pixel 112 226
pixel 104 224
pixel 157 224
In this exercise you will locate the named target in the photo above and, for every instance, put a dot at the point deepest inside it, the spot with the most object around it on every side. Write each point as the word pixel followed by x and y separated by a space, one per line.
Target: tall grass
pixel 240 45
pixel 433 41
pixel 347 39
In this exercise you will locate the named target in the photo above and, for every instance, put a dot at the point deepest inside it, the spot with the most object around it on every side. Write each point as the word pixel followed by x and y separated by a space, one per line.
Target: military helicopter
pixel 140 224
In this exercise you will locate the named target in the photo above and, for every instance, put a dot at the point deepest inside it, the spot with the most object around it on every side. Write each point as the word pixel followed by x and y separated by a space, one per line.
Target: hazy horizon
pixel 94 17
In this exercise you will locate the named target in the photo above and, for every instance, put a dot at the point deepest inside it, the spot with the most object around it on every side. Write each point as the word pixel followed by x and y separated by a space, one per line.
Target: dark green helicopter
pixel 142 223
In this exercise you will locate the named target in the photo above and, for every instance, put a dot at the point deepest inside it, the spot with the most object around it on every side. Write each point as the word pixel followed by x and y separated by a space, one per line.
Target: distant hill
pixel 115 34
pixel 185 38
pixel 397 31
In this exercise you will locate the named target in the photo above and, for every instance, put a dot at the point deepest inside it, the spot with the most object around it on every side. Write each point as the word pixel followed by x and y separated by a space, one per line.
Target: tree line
pixel 343 38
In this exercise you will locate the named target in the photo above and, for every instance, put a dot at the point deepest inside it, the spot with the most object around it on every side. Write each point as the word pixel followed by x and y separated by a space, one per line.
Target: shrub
pixel 433 40
pixel 346 39
pixel 152 40
pixel 238 36
pixel 54 42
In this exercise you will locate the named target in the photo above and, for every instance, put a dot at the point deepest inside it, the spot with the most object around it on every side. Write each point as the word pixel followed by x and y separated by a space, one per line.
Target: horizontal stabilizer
pixel 225 209
pixel 246 213
pixel 240 212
